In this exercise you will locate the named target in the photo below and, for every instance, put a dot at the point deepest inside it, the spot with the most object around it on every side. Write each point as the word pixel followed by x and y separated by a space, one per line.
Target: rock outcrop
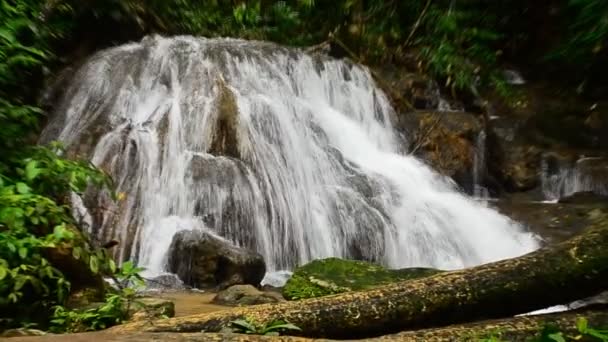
pixel 203 260
pixel 446 141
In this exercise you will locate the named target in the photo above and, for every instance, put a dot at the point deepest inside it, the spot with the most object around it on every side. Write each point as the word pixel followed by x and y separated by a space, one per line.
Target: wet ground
pixel 191 302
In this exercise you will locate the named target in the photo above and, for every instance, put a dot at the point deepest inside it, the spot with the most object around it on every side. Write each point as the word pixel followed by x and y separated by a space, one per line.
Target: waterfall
pixel 289 154
pixel 479 167
pixel 560 178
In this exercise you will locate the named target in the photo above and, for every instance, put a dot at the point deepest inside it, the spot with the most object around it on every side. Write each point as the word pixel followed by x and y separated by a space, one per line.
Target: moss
pixel 330 276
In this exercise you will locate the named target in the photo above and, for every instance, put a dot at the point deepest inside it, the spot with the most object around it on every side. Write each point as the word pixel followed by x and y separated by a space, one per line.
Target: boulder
pixel 203 260
pixel 330 276
pixel 239 295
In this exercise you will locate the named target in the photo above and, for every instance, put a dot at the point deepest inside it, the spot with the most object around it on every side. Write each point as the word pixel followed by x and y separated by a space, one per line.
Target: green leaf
pixel 3 272
pixel 11 247
pixel 286 326
pixel 23 252
pixel 31 170
pixel 112 266
pixel 59 232
pixel 93 264
pixel 581 324
pixel 76 252
pixel 243 325
pixel 557 337
pixel 19 282
pixel 23 188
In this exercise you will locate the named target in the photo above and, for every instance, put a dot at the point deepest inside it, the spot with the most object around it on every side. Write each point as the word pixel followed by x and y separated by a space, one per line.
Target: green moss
pixel 330 276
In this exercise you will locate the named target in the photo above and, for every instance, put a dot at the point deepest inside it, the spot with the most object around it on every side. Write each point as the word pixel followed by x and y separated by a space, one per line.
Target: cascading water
pixel 479 167
pixel 561 178
pixel 291 155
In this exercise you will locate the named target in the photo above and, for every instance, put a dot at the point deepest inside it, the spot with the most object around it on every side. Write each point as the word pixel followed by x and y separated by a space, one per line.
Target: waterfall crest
pixel 292 155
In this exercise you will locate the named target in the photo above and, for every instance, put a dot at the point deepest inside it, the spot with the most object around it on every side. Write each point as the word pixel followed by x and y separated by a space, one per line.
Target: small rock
pixel 22 332
pixel 166 282
pixel 147 308
pixel 239 295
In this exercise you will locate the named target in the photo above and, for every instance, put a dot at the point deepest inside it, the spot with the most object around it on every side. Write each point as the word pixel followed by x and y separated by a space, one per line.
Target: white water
pixel 560 180
pixel 319 173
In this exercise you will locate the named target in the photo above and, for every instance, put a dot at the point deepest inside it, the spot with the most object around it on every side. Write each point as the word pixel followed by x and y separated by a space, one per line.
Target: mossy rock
pixel 330 276
pixel 149 308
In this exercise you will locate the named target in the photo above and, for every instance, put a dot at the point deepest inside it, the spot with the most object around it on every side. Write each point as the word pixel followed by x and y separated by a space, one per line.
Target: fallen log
pixel 511 329
pixel 557 274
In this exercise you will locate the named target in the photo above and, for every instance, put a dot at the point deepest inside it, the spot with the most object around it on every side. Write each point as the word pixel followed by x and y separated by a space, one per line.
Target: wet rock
pixel 232 215
pixel 165 282
pixel 239 295
pixel 587 198
pixel 22 333
pixel 554 222
pixel 594 171
pixel 521 168
pixel 148 308
pixel 203 260
pixel 270 288
pixel 225 136
pixel 329 276
pixel 446 141
pixel 404 86
pixel 563 177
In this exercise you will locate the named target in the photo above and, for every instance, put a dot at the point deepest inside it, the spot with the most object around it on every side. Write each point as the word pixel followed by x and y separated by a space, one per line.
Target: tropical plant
pixel 273 328
pixel 113 311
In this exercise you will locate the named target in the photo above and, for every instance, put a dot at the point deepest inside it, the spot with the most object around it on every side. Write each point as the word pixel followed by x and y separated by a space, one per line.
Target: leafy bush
pixel 113 311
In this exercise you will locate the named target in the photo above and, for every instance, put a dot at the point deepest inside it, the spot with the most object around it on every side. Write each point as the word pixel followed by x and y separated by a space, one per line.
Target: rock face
pixel 445 140
pixel 202 260
pixel 239 295
pixel 330 276
pixel 521 168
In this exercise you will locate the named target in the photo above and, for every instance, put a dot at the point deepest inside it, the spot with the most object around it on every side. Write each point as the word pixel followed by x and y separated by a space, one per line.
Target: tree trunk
pixel 571 270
